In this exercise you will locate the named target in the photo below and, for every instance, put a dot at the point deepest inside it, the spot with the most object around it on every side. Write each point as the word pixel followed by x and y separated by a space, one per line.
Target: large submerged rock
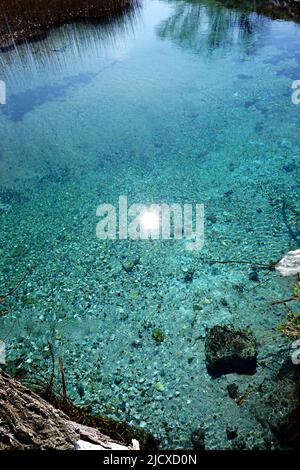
pixel 278 406
pixel 230 350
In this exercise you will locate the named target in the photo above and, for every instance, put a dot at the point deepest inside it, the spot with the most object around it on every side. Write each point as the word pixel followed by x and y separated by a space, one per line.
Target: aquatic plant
pixel 159 387
pixel 158 335
pixel 134 295
pixel 291 326
pixel 297 290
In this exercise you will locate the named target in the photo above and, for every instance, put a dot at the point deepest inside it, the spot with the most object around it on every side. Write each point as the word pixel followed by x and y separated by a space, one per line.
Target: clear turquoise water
pixel 179 102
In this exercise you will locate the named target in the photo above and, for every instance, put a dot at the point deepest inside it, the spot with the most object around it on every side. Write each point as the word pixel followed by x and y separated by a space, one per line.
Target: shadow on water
pixel 205 26
pixel 26 101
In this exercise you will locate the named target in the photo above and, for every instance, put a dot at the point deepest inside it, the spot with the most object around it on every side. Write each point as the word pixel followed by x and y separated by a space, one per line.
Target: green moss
pixel 291 326
pixel 297 290
pixel 158 335
pixel 159 387
pixel 134 295
pixel 29 300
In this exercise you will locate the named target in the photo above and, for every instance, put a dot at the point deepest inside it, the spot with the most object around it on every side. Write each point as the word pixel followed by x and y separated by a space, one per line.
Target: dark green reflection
pixel 283 9
pixel 204 26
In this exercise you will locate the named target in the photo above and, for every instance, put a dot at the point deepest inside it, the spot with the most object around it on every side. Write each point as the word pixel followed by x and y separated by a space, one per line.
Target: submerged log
pixel 29 422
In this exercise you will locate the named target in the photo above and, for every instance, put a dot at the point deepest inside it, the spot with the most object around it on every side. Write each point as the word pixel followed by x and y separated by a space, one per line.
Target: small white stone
pixel 290 264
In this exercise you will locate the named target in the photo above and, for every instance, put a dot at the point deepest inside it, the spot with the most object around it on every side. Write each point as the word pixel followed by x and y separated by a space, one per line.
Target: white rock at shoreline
pixel 290 264
pixel 84 445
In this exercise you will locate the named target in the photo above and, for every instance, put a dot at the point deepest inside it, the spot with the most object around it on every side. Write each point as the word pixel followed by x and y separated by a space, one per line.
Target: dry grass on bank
pixel 22 20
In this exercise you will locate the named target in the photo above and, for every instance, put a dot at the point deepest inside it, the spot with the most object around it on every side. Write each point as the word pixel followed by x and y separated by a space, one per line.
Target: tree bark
pixel 29 422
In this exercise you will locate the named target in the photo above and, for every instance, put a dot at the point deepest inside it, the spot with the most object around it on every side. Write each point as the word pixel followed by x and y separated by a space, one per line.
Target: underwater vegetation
pixel 291 326
pixel 158 335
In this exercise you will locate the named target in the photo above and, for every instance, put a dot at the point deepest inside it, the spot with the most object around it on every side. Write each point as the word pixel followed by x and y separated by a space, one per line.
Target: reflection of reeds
pixel 71 50
pixel 27 19
pixel 207 25
pixel 276 9
pixel 202 25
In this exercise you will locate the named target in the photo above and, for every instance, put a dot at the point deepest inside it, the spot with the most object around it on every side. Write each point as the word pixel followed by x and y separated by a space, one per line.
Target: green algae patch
pixel 134 295
pixel 158 335
pixel 159 387
pixel 291 326
pixel 29 300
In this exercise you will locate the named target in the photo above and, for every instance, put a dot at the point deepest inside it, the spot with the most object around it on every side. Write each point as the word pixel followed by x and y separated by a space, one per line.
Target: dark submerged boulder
pixel 230 350
pixel 278 406
pixel 198 439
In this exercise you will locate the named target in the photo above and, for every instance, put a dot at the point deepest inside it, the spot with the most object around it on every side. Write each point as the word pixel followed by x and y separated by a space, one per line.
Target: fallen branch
pixel 295 297
pixel 11 292
pixel 63 381
pixel 280 302
pixel 270 266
